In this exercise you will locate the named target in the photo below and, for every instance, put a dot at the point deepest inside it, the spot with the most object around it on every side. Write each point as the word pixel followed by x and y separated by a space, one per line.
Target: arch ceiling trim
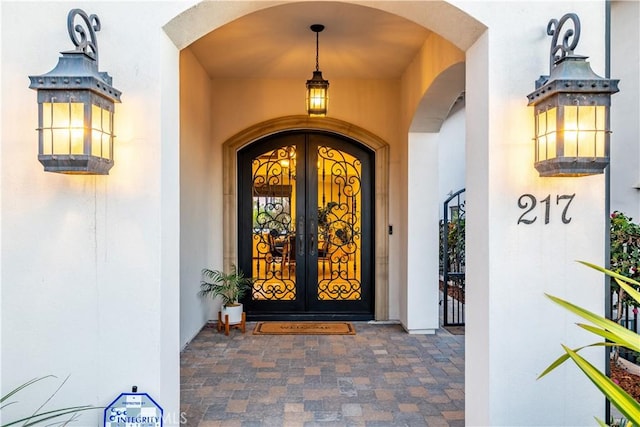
pixel 451 23
pixel 439 99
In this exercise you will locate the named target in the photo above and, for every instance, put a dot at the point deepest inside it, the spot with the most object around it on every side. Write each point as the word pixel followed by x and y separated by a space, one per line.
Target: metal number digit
pixel 547 208
pixel 523 204
pixel 569 198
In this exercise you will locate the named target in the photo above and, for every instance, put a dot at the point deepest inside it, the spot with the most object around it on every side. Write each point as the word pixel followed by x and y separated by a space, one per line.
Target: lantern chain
pixel 317 28
pixel 317 50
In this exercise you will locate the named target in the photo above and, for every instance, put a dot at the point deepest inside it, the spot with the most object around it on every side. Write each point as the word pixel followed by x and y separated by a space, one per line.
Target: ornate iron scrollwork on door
pixel 339 225
pixel 273 192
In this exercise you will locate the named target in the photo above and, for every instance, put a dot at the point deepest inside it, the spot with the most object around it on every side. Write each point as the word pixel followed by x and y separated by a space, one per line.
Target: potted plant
pixel 230 287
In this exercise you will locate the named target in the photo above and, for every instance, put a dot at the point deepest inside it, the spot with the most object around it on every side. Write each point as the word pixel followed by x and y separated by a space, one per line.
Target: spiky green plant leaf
pixel 52 417
pixel 41 417
pixel 615 335
pixel 626 404
pixel 20 387
pixel 623 335
pixel 610 273
pixel 628 289
pixel 614 340
pixel 560 360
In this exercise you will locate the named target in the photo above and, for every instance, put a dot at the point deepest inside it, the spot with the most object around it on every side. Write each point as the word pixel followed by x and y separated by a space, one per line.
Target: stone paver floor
pixel 381 376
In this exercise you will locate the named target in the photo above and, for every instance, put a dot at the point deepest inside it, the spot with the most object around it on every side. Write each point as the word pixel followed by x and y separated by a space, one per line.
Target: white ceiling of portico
pixel 358 42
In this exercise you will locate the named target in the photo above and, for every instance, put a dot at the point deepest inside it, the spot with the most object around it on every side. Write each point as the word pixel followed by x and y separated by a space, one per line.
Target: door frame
pixel 381 190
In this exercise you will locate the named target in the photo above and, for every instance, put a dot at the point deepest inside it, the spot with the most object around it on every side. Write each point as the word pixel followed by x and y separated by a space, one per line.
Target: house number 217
pixel 528 202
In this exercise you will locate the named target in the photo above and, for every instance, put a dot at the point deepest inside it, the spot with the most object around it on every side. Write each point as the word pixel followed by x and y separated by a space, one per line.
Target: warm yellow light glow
pixel 602 131
pixel 546 134
pixel 339 242
pixel 584 134
pixel 317 101
pixel 63 128
pixel 570 131
pixel 101 132
pixel 317 98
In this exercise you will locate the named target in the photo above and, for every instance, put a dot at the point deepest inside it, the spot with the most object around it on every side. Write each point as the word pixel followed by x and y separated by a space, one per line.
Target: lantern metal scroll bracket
pixel 76 105
pixel 571 108
pixel 78 34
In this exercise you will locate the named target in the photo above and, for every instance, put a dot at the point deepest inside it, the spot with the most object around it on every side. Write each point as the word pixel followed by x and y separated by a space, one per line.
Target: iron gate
pixel 452 259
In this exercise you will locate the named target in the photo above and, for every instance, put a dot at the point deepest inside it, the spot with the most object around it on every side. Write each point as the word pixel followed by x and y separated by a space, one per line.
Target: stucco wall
pixel 238 104
pixel 419 299
pixel 625 108
pixel 435 56
pixel 451 156
pixel 200 204
pixel 89 276
pixel 417 188
pixel 513 332
pixel 436 162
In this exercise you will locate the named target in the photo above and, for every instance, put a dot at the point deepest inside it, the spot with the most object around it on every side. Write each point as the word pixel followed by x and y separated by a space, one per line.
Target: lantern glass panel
pixel 96 131
pixel 316 100
pixel 107 136
pixel 601 132
pixel 546 134
pixel 63 128
pixel 584 134
pixel 570 131
pixel 101 132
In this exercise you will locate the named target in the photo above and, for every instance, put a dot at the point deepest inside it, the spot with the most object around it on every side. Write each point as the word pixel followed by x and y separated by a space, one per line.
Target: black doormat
pixel 455 330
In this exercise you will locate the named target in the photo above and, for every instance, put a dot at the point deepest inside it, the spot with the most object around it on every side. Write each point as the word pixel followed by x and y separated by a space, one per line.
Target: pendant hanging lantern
pixel 76 106
pixel 317 87
pixel 571 109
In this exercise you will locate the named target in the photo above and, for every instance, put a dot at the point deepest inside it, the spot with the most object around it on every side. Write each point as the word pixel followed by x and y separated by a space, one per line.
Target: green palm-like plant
pixel 614 335
pixel 231 287
pixel 52 417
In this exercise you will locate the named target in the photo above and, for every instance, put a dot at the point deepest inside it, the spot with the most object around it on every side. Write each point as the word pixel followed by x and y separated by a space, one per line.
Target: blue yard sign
pixel 133 410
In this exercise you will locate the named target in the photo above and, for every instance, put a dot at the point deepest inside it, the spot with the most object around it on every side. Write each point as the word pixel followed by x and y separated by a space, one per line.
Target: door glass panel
pixel 339 225
pixel 273 234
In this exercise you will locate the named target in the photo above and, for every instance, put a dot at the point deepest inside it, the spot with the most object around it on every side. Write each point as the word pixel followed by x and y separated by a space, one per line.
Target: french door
pixel 306 227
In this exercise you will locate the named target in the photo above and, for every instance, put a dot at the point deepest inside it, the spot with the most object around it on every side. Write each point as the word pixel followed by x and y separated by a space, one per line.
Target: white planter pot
pixel 234 312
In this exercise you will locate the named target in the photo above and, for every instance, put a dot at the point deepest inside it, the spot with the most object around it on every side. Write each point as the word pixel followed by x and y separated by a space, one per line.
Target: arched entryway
pixel 305 226
pixel 334 133
pixel 233 100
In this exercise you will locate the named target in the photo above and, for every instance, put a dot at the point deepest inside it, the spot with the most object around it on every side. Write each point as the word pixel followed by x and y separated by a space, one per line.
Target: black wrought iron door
pixel 306 226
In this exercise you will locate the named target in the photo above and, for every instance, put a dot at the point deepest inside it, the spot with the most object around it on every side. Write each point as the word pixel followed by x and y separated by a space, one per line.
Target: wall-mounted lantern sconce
pixel 571 109
pixel 76 106
pixel 317 87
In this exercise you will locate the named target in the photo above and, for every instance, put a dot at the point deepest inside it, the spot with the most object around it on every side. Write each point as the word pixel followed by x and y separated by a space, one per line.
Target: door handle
pixel 312 239
pixel 301 235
